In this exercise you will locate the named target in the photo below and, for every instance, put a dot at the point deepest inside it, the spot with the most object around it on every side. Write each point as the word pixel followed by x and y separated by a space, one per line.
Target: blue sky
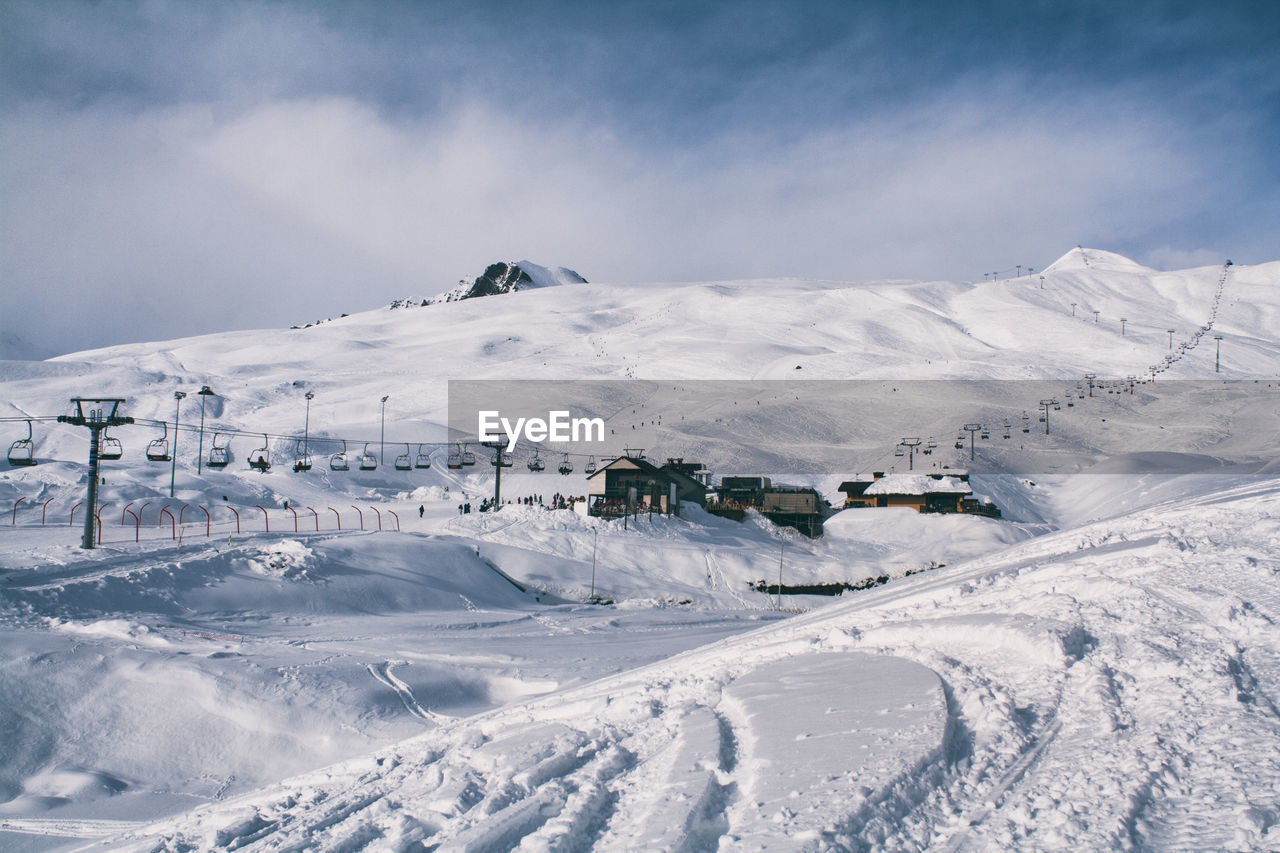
pixel 172 168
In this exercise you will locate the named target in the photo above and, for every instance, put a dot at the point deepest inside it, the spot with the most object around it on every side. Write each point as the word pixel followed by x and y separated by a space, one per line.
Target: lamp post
pixel 382 440
pixel 306 430
pixel 595 543
pixel 177 412
pixel 205 391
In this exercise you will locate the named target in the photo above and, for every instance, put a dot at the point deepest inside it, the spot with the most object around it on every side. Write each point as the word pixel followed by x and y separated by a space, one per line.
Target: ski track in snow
pixel 1113 685
pixel 1097 691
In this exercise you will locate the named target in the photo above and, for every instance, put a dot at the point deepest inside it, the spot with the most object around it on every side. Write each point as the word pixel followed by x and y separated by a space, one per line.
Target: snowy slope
pixel 1108 687
pixel 1041 661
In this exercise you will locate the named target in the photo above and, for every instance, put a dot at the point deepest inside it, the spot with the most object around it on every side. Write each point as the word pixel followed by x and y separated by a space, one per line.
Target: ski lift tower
pixel 910 444
pixel 971 429
pixel 1217 357
pixel 1049 405
pixel 500 457
pixel 97 420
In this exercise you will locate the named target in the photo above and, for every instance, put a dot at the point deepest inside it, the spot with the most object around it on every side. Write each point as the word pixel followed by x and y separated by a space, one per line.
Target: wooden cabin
pixel 632 484
pixel 934 491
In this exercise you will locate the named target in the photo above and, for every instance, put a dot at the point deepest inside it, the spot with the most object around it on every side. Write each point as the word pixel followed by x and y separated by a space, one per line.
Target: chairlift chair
pixel 404 462
pixel 260 459
pixel 899 452
pixel 22 451
pixel 111 447
pixel 984 435
pixel 535 463
pixel 590 467
pixel 302 459
pixel 566 467
pixel 454 460
pixel 158 449
pixel 219 454
pixel 338 461
pixel 468 458
pixel 502 457
pixel 368 462
pixel 423 459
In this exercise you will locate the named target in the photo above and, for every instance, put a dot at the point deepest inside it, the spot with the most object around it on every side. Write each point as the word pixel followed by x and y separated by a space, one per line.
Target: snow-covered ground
pixel 1099 669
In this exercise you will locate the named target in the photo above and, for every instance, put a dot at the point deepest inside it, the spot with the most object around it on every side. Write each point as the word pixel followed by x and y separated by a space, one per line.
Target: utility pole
pixel 177 412
pixel 382 440
pixel 782 547
pixel 96 421
pixel 971 429
pixel 204 392
pixel 910 444
pixel 306 430
pixel 1217 358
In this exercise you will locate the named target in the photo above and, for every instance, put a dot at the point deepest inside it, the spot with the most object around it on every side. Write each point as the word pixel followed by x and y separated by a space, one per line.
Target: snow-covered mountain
pixel 505 277
pixel 1098 670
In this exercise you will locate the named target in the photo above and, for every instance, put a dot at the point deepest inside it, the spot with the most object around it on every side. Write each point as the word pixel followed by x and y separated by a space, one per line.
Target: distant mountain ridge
pixel 498 278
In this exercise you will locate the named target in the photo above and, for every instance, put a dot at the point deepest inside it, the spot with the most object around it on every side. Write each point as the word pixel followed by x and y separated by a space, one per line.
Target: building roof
pixel 917 484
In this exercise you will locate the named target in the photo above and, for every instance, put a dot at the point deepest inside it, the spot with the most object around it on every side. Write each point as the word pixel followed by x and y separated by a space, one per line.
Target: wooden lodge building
pixel 632 484
pixel 934 491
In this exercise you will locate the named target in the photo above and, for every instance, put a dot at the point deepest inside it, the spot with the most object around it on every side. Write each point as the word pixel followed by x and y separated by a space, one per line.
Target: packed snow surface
pixel 345 660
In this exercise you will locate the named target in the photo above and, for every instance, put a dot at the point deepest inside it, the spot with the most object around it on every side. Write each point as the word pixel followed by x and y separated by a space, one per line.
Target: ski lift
pixel 368 462
pixel 158 449
pixel 899 452
pixel 338 461
pixel 111 447
pixel 404 462
pixel 984 435
pixel 422 460
pixel 260 459
pixel 468 458
pixel 302 459
pixel 590 467
pixel 960 443
pixel 455 459
pixel 22 451
pixel 566 467
pixel 535 462
pixel 503 458
pixel 219 455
